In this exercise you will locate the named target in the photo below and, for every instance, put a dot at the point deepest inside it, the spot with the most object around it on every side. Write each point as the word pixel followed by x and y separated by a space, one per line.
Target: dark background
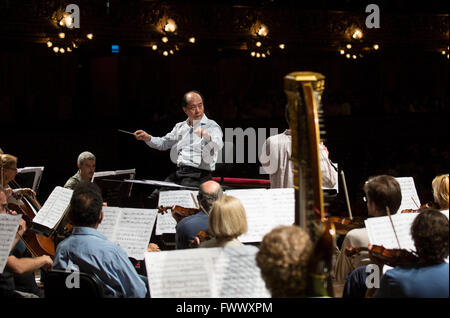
pixel 386 113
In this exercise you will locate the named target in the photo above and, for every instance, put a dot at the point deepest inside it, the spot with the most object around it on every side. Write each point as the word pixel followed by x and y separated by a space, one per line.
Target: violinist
pixel 227 222
pixel 86 168
pixel 283 257
pixel 429 277
pixel 188 227
pixel 18 279
pixel 440 191
pixel 380 192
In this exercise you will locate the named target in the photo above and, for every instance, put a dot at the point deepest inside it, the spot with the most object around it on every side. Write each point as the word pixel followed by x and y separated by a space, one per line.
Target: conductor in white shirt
pixel 194 143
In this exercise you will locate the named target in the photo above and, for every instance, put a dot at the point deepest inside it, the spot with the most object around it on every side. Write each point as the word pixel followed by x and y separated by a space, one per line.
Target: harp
pixel 304 91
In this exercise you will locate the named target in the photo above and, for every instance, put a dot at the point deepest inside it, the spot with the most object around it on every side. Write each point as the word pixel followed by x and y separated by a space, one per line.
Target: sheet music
pixel 165 222
pixel 206 272
pixel 9 225
pixel 410 199
pixel 130 228
pixel 53 209
pixel 265 210
pixel 380 230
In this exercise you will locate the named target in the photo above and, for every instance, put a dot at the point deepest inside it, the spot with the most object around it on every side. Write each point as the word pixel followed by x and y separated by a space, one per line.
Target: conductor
pixel 194 143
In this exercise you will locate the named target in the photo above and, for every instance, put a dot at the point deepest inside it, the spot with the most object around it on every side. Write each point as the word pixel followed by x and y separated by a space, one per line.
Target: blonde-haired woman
pixel 440 191
pixel 227 221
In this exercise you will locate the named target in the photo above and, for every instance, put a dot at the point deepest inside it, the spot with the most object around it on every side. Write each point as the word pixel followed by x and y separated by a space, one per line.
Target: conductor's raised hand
pixel 142 135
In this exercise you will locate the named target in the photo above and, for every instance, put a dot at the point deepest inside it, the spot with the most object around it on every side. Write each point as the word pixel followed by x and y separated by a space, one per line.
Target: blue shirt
pixel 91 251
pixel 416 281
pixel 188 149
pixel 188 228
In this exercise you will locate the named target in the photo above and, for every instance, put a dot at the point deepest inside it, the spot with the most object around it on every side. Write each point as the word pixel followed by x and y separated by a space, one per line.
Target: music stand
pixel 114 191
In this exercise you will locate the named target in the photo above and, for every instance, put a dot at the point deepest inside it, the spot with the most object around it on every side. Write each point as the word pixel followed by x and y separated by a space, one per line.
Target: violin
pixel 203 236
pixel 381 255
pixel 420 209
pixel 344 225
pixel 178 212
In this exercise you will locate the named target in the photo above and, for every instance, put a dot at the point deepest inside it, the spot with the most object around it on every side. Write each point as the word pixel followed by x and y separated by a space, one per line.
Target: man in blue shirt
pixel 91 252
pixel 429 278
pixel 187 228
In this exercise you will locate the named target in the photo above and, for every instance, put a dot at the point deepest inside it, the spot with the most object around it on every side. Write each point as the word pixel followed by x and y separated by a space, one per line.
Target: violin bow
pixel 393 227
pixel 415 202
pixel 346 195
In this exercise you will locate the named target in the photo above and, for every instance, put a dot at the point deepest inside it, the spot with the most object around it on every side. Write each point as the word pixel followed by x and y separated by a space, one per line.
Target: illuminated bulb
pixel 170 26
pixel 154 47
pixel 347 55
pixel 56 49
pixel 268 52
pixel 263 30
pixel 69 49
pixel 376 46
pixel 357 34
pixel 171 51
pixel 49 44
pixel 342 52
pixel 62 35
pixel 263 55
pixel 90 36
pixel 74 45
pixel 61 50
pixel 258 44
pixel 282 46
pixel 192 39
pixel 165 39
pixel 68 21
pixel 258 55
pixel 443 52
pixel 253 53
pixel 349 46
pixel 447 56
pixel 354 56
pixel 165 53
pixel 61 23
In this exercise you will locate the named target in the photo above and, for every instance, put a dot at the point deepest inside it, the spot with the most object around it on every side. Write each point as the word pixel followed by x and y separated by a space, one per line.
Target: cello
pixel 304 91
pixel 28 206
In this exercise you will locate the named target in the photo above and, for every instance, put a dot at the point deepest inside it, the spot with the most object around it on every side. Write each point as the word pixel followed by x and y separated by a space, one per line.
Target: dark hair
pixel 184 101
pixel 430 235
pixel 384 191
pixel 86 204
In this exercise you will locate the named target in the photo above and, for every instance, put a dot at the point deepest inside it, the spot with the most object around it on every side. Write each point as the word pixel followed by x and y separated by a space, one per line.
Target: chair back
pixel 61 284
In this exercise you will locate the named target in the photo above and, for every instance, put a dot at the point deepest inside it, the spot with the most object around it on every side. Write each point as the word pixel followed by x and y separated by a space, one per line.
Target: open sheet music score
pixel 53 210
pixel 380 230
pixel 229 272
pixel 9 225
pixel 130 228
pixel 410 199
pixel 166 223
pixel 265 210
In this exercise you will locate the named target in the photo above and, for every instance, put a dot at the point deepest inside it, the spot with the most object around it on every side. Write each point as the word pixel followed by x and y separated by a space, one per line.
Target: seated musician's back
pixel 91 252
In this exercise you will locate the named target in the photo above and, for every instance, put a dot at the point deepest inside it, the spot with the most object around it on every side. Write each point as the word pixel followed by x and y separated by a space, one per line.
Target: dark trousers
pixel 185 176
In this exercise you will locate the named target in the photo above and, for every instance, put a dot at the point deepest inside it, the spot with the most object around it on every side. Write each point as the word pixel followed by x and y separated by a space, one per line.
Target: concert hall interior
pixel 69 83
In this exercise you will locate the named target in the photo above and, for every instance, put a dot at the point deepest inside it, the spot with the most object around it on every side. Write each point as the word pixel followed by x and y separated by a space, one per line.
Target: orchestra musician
pixel 429 277
pixel 283 258
pixel 195 144
pixel 227 222
pixel 91 251
pixel 187 228
pixel 18 280
pixel 8 166
pixel 440 191
pixel 380 192
pixel 275 159
pixel 86 168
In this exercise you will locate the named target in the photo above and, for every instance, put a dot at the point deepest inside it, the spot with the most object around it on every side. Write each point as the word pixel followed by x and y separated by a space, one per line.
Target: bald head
pixel 192 103
pixel 209 192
